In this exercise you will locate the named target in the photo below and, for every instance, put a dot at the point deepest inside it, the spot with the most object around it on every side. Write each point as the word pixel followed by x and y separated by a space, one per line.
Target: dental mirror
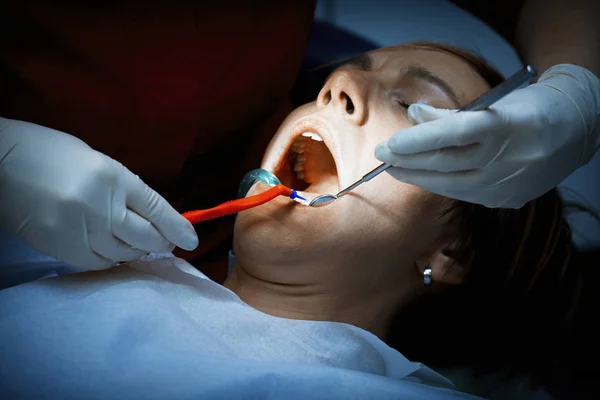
pixel 322 200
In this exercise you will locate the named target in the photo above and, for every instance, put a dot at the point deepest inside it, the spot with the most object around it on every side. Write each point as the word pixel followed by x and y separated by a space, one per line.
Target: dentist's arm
pixel 530 140
pixel 552 32
pixel 78 205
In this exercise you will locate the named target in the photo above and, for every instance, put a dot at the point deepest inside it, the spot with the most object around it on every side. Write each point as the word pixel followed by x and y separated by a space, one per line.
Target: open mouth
pixel 308 166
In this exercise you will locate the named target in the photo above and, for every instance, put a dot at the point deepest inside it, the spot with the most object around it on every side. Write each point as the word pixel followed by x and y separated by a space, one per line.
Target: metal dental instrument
pixel 512 83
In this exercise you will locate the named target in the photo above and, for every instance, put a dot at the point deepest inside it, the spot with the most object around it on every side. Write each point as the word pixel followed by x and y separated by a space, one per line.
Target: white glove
pixel 78 205
pixel 522 147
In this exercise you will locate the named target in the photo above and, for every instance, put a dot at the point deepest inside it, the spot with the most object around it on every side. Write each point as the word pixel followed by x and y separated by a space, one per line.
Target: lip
pixel 284 140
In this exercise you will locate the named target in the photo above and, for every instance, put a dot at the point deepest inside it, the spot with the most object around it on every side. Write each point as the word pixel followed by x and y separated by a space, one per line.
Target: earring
pixel 427 276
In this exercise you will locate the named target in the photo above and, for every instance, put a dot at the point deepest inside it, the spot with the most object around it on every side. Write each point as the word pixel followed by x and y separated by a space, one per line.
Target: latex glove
pixel 78 205
pixel 522 147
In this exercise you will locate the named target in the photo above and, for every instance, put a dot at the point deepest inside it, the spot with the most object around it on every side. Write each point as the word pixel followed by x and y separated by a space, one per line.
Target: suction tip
pixel 298 198
pixel 295 195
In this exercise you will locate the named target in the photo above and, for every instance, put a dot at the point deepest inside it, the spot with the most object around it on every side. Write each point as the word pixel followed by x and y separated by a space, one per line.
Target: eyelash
pixel 403 104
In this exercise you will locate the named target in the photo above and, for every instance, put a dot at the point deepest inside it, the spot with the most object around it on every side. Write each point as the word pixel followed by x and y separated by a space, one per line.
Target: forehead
pixel 456 71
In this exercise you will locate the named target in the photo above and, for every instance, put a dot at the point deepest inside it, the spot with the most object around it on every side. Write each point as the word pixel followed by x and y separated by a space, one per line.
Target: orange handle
pixel 235 206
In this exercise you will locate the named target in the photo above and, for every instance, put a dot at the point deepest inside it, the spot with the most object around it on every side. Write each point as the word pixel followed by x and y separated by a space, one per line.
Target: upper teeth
pixel 298 147
pixel 313 136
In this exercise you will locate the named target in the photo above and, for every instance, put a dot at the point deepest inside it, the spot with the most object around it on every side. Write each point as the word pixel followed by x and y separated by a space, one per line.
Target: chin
pixel 282 230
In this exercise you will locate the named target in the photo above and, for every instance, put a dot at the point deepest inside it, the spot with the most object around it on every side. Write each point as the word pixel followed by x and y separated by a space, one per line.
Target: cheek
pixel 379 129
pixel 395 217
pixel 384 205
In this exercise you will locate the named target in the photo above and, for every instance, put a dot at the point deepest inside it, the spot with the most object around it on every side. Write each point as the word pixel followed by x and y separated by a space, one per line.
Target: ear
pixel 444 268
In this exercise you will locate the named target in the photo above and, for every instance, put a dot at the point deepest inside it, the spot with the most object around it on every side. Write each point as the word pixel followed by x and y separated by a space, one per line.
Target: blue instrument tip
pixel 296 195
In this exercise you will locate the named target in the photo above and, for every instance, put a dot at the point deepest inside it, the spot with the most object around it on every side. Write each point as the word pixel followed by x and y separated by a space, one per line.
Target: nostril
pixel 327 97
pixel 349 104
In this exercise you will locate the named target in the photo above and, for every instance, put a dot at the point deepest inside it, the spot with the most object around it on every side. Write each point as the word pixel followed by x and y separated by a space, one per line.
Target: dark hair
pixel 522 287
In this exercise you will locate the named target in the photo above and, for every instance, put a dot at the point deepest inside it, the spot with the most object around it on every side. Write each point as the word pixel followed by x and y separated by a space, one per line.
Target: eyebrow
pixel 364 61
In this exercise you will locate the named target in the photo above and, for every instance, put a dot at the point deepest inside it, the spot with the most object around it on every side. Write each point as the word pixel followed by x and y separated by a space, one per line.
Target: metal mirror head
pixel 322 200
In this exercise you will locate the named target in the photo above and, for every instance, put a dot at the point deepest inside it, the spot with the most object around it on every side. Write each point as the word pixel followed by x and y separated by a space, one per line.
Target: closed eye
pixel 402 103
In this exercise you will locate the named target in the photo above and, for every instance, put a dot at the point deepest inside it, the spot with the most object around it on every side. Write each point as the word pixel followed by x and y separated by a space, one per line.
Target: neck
pixel 316 301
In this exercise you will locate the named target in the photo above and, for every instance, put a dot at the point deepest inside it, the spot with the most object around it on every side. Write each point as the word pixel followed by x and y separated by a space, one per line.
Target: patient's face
pixel 383 223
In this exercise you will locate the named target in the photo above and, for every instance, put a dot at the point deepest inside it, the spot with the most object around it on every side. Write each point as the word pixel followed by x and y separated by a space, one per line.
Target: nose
pixel 346 91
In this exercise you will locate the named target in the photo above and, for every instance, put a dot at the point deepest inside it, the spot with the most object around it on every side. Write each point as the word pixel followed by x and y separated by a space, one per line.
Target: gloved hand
pixel 78 205
pixel 522 147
